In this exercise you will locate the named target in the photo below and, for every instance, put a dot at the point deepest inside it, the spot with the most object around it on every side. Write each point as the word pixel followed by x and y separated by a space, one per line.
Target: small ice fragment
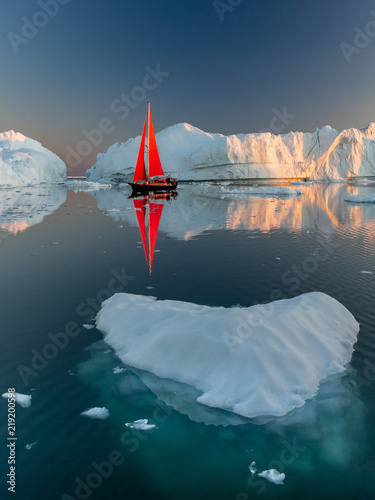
pixel 141 425
pixel 23 400
pixel 150 287
pixel 366 272
pixel 107 351
pixel 29 446
pixel 118 369
pixel 277 258
pixel 101 413
pixel 273 475
pixel 253 467
pixel 88 327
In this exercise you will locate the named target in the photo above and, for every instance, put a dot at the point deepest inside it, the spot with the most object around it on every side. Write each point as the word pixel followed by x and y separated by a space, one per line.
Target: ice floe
pixel 141 425
pixel 23 400
pixel 273 475
pixel 264 360
pixel 361 198
pixel 100 413
pixel 278 191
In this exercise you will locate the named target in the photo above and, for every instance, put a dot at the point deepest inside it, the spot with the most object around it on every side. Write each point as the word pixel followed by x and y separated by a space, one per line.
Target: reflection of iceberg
pixel 264 360
pixel 24 207
pixel 201 208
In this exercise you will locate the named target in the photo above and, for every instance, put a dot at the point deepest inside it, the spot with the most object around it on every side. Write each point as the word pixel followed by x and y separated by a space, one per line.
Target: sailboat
pixel 154 212
pixel 155 181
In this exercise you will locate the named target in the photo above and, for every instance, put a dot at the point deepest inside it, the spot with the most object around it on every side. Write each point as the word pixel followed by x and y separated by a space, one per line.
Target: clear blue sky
pixel 224 66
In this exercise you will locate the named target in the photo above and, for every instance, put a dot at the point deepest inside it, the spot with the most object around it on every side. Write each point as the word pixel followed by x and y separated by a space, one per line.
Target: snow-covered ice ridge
pixel 24 161
pixel 264 360
pixel 188 153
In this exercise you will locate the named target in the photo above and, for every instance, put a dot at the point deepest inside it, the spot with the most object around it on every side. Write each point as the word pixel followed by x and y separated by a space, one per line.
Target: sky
pixel 76 74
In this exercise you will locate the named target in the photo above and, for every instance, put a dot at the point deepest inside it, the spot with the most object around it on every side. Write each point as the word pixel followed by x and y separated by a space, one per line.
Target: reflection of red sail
pixel 154 214
pixel 140 208
pixel 154 164
pixel 140 169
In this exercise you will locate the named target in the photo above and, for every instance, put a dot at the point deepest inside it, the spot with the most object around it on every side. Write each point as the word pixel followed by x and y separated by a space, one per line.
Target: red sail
pixel 140 208
pixel 154 164
pixel 140 169
pixel 154 215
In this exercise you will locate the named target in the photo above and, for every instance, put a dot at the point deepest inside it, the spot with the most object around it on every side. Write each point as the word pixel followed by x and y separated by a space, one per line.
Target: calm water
pixel 63 252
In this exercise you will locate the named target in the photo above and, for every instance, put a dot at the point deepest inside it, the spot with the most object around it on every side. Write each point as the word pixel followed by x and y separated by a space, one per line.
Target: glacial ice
pixel 264 360
pixel 24 161
pixel 188 153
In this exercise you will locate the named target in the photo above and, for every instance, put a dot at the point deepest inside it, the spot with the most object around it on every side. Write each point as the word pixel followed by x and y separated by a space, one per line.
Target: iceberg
pixel 25 162
pixel 189 153
pixel 260 361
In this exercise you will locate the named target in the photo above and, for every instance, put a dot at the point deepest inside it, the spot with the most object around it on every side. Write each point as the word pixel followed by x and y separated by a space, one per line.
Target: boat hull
pixel 153 186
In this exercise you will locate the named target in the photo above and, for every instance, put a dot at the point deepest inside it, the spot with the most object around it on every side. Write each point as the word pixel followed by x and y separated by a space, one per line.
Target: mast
pixel 148 139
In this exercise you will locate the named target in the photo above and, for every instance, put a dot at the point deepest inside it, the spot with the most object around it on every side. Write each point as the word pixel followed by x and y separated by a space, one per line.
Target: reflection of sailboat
pixel 155 181
pixel 155 209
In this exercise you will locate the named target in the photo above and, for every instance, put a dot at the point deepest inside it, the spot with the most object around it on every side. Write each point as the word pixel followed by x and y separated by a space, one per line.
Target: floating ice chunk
pixel 361 198
pixel 253 468
pixel 273 475
pixel 265 191
pixel 29 446
pixel 118 369
pixel 141 425
pixel 366 272
pixel 100 413
pixel 23 400
pixel 88 327
pixel 264 360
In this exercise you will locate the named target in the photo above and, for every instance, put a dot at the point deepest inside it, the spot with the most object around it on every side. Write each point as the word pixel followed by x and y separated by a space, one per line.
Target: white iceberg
pixel 141 425
pixel 361 198
pixel 23 400
pixel 263 360
pixel 273 475
pixel 24 161
pixel 100 413
pixel 188 153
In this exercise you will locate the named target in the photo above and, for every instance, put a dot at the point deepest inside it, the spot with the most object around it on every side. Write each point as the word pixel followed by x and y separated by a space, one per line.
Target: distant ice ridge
pixel 77 185
pixel 188 153
pixel 24 161
pixel 263 360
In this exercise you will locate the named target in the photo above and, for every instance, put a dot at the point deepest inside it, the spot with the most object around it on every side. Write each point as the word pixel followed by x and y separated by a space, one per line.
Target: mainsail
pixel 154 163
